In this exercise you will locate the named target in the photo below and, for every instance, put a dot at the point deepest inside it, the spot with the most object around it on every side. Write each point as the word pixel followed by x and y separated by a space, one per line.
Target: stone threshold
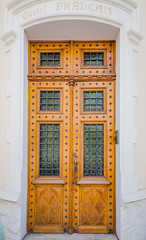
pixel 66 236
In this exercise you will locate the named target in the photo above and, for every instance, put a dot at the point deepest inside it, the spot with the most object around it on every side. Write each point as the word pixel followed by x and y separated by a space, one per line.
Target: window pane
pixel 94 59
pixel 93 150
pixel 93 101
pixel 50 100
pixel 50 59
pixel 49 149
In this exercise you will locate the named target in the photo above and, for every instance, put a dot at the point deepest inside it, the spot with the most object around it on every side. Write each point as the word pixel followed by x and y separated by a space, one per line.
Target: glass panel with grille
pixel 93 149
pixel 93 58
pixel 93 101
pixel 49 149
pixel 50 100
pixel 50 59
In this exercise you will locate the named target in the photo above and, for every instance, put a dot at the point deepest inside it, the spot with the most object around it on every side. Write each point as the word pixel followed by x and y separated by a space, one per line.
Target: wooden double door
pixel 71 138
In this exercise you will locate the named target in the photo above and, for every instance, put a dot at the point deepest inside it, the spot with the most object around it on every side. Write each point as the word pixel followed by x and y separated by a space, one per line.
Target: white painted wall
pixel 5 119
pixel 5 105
pixel 140 101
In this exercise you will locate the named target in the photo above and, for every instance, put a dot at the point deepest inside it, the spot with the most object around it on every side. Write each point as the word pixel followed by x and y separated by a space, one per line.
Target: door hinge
pixel 116 136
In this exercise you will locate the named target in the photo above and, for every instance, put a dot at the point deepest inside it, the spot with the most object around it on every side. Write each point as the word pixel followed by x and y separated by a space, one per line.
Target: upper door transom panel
pixel 72 58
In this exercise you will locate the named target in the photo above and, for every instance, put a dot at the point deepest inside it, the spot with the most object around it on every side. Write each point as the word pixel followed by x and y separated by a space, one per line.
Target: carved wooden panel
pixel 48 207
pixel 93 206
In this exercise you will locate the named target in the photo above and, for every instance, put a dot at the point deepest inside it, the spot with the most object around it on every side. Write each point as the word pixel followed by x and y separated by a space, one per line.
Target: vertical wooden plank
pixel 71 85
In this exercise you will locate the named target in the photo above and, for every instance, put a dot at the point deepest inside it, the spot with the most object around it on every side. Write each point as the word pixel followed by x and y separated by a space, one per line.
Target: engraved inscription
pixel 35 12
pixel 82 6
pixel 66 6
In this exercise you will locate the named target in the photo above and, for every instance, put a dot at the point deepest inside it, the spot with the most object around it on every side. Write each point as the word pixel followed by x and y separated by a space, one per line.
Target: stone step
pixel 66 236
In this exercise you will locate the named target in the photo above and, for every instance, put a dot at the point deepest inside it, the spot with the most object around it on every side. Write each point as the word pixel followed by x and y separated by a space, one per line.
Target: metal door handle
pixel 76 162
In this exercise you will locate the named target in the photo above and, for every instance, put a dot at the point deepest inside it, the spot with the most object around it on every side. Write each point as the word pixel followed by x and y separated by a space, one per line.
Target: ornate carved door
pixel 71 149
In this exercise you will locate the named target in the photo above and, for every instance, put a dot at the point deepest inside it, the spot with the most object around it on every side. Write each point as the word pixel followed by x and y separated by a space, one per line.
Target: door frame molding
pixel 17 42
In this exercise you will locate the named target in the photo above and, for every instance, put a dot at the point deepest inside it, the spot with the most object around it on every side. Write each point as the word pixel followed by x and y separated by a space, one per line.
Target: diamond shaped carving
pixel 48 207
pixel 93 206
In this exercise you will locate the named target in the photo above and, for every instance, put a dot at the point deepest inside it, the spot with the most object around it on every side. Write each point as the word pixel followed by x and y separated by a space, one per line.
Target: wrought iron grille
pixel 50 100
pixel 93 58
pixel 49 149
pixel 50 59
pixel 93 149
pixel 93 101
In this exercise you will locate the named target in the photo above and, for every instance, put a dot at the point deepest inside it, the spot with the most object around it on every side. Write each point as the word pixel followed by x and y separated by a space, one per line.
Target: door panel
pixel 48 208
pixel 71 126
pixel 44 59
pixel 48 156
pixel 93 210
pixel 94 58
pixel 93 150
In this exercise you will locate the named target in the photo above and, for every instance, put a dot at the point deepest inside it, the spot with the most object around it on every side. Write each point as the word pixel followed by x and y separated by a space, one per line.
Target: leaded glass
pixel 50 100
pixel 50 59
pixel 93 58
pixel 49 149
pixel 93 149
pixel 93 101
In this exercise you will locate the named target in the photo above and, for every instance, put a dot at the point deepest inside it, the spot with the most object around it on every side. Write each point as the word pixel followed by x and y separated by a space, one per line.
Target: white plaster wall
pixel 140 101
pixel 133 214
pixel 5 104
pixel 9 211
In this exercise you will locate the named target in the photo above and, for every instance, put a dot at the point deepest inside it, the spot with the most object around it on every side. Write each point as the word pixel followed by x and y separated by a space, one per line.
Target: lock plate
pixel 116 137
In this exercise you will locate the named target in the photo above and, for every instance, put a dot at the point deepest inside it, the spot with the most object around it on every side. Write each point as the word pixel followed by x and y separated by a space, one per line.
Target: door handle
pixel 75 162
pixel 75 167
